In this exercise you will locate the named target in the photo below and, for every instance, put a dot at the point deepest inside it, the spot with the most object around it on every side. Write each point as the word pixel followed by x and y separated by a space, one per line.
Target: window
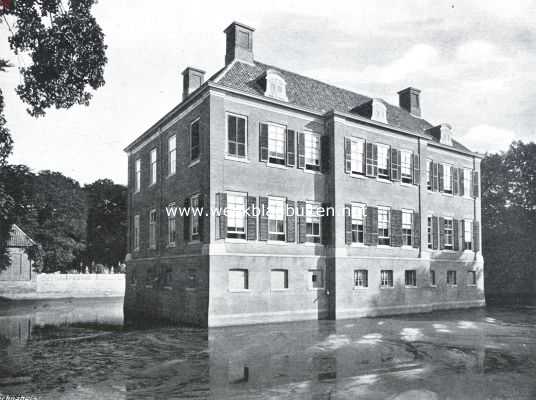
pixel 316 279
pixel 448 231
pixel 361 278
pixel 467 182
pixel 191 279
pixel 383 226
pixel 276 87
pixel 243 39
pixel 279 279
pixel 411 278
pixel 172 155
pixel 194 140
pixel 407 227
pixel 312 223
pixel 137 179
pixel 172 228
pixel 357 156
pixel 467 234
pixel 432 278
pixel 194 218
pixel 276 219
pixel 312 151
pixel 236 136
pixel 405 166
pixel 471 278
pixel 429 174
pixel 238 279
pixel 383 161
pixel 152 229
pixel 429 232
pixel 236 217
pixel 167 278
pixel 153 166
pixel 451 278
pixel 276 144
pixel 447 178
pixel 386 278
pixel 136 232
pixel 358 223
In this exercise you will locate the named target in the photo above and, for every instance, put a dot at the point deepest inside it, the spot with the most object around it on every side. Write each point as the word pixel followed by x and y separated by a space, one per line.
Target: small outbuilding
pixel 20 266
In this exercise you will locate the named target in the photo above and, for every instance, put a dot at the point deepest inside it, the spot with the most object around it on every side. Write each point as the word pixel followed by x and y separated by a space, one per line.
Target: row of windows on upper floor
pixel 281 220
pixel 309 151
pixel 238 279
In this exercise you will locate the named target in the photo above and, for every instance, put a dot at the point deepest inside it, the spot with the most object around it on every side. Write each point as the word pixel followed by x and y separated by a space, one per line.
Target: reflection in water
pixel 82 350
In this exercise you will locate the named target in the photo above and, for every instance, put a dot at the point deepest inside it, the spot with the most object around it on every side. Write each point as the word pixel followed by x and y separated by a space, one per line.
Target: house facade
pixel 20 265
pixel 313 202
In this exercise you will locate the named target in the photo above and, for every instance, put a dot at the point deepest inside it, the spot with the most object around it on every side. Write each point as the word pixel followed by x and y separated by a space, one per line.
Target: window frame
pixel 472 281
pixel 246 286
pixel 407 232
pixel 386 238
pixel 412 274
pixel 433 278
pixel 429 185
pixel 282 161
pixel 136 233
pixel 360 163
pixel 363 207
pixel 388 281
pixel 429 232
pixel 172 155
pixel 171 218
pixel 276 235
pixel 447 171
pixel 228 155
pixel 468 245
pixel 285 285
pixel 194 219
pixel 240 236
pixel 384 177
pixel 467 179
pixel 452 273
pixel 448 233
pixel 406 178
pixel 152 228
pixel 363 283
pixel 198 147
pixel 153 166
pixel 311 220
pixel 137 175
pixel 307 136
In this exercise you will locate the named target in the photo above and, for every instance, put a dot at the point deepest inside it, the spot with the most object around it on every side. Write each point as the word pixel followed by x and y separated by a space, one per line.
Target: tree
pixel 67 52
pixel 106 221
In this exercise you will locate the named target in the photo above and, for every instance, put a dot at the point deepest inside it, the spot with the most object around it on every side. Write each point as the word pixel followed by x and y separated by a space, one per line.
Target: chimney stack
pixel 239 43
pixel 409 100
pixel 192 78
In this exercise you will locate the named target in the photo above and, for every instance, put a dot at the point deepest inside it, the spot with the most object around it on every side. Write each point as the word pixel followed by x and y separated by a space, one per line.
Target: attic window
pixel 379 111
pixel 276 87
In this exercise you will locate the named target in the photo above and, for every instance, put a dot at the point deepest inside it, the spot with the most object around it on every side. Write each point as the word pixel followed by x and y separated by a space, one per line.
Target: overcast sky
pixel 474 61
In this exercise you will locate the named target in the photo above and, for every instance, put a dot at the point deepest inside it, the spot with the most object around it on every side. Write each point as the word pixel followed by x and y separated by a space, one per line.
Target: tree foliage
pixel 509 221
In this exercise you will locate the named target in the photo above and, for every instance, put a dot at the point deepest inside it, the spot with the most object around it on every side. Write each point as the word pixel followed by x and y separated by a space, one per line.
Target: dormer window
pixel 276 87
pixel 379 111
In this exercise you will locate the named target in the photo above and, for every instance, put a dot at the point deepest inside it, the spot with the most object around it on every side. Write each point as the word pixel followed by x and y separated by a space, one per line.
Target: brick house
pixel 256 136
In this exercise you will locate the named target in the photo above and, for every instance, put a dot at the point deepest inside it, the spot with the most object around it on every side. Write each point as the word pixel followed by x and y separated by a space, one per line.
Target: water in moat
pixel 81 349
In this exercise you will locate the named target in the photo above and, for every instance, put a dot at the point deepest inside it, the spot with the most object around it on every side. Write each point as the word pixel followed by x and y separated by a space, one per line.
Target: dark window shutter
pixel 435 177
pixel 455 235
pixel 416 230
pixel 396 228
pixel 251 219
pixel 263 218
pixel 371 227
pixel 291 222
pixel 388 163
pixel 221 219
pixel 348 224
pixel 461 190
pixel 291 148
pixel 325 154
pixel 375 158
pixel 435 233
pixel 441 233
pixel 476 236
pixel 301 150
pixel 455 181
pixel 263 142
pixel 325 221
pixel 395 164
pixel 475 184
pixel 186 224
pixel 441 177
pixel 201 218
pixel 301 222
pixel 416 168
pixel 347 155
pixel 371 159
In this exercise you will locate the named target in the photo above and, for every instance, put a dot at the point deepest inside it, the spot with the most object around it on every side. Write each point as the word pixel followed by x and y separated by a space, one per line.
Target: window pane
pixel 231 128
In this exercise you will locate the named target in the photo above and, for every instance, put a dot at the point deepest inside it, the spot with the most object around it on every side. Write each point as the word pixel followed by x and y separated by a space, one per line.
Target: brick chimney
pixel 409 100
pixel 192 78
pixel 239 43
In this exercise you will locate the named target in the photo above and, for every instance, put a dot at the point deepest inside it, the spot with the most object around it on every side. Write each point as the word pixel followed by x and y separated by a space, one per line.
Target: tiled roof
pixel 18 238
pixel 318 96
